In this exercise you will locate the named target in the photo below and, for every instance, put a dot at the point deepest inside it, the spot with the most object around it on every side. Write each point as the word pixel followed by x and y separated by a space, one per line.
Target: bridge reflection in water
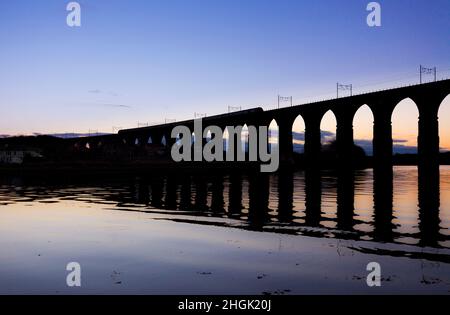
pixel 316 203
pixel 384 205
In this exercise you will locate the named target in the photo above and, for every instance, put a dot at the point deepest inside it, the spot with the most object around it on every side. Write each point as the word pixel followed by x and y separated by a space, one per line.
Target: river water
pixel 300 233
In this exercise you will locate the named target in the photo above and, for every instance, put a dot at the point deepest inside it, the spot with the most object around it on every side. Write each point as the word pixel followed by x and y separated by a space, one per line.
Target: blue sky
pixel 144 61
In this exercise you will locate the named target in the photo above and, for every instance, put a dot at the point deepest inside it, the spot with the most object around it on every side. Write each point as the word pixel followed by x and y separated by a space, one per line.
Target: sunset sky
pixel 144 61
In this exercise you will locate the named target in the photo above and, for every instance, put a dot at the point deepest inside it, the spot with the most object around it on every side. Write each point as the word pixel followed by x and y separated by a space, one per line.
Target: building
pixel 18 154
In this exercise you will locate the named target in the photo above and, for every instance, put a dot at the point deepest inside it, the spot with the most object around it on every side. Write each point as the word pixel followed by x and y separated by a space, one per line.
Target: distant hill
pixel 59 135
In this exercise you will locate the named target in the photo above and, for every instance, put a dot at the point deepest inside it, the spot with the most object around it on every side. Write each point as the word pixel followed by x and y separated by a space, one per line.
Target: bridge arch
pixel 208 136
pixel 444 124
pixel 328 127
pixel 244 138
pixel 363 121
pixel 273 136
pixel 298 135
pixel 225 140
pixel 405 127
pixel 231 142
pixel 164 141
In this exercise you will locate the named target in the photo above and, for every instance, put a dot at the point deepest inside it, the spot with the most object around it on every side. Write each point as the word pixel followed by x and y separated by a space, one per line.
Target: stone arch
pixel 363 121
pixel 164 141
pixel 405 127
pixel 225 139
pixel 208 135
pixel 298 134
pixel 273 136
pixel 328 128
pixel 244 137
pixel 444 124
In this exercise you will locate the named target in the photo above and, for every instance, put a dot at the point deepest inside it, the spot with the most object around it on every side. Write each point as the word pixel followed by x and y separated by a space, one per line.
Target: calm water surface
pixel 308 232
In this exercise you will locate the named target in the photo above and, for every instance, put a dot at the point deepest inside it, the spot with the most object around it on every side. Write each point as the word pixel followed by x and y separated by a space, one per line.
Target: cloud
pixel 398 146
pixel 399 141
pixel 327 134
pixel 101 104
pixel 116 105
pixel 71 135
pixel 298 136
pixel 365 144
pixel 97 91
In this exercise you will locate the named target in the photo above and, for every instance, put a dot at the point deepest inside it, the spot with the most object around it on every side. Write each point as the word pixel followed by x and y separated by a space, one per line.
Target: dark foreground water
pixel 281 234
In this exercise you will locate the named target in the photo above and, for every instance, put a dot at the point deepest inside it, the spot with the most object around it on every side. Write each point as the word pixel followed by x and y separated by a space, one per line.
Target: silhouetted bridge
pixel 428 98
